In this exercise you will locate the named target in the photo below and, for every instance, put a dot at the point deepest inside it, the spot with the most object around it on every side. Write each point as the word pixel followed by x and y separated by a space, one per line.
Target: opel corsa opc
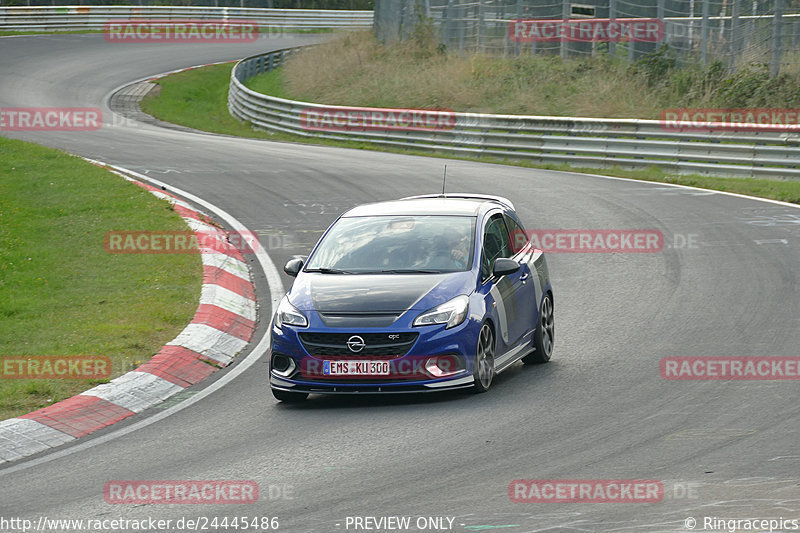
pixel 427 293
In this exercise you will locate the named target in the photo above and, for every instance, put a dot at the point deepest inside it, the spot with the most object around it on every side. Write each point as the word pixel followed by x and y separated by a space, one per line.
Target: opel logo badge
pixel 355 343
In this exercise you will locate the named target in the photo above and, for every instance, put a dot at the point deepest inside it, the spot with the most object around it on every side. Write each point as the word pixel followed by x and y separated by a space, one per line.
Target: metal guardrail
pixel 585 142
pixel 55 18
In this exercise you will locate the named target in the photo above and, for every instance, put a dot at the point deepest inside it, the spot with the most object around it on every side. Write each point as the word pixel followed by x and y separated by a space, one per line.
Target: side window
pixel 495 244
pixel 518 236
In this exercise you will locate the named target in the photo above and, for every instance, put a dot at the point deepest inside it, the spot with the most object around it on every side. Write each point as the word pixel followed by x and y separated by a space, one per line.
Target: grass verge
pixel 264 30
pixel 199 98
pixel 61 293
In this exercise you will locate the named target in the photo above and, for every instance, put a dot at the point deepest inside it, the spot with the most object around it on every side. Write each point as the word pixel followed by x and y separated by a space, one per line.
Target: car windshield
pixel 396 244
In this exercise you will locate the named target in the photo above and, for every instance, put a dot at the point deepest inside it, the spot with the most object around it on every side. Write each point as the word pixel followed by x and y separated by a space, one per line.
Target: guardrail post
pixel 565 12
pixel 401 28
pixel 271 62
pixel 612 14
pixel 519 17
pixel 704 30
pixel 481 25
pixel 777 39
pixel 502 16
pixel 735 33
pixel 459 22
pixel 448 13
pixel 660 16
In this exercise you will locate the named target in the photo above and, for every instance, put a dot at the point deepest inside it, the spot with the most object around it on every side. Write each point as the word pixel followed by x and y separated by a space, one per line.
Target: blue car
pixel 427 293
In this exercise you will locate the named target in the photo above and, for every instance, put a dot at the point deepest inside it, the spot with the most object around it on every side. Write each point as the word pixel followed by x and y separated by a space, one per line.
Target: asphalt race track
pixel 599 410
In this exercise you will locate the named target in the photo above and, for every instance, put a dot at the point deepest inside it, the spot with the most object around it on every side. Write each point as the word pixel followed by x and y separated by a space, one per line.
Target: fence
pixel 280 4
pixel 93 17
pixel 583 142
pixel 731 31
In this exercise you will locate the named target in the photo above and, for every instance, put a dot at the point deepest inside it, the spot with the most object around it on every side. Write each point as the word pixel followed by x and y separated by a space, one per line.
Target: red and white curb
pixel 222 326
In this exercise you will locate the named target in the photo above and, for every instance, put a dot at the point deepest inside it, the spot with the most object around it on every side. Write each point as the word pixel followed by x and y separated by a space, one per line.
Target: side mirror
pixel 504 266
pixel 294 266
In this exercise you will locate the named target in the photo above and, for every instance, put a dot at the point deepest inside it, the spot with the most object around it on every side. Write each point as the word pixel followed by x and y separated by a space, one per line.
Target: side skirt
pixel 513 355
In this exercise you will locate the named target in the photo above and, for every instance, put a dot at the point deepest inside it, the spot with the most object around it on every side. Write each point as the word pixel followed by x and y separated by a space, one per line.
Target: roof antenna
pixel 444 179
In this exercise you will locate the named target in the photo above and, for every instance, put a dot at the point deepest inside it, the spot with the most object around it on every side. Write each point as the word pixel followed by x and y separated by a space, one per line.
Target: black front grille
pixel 375 344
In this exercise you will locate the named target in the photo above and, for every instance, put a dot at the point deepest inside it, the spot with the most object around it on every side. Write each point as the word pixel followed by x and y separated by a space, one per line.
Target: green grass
pixel 61 293
pixel 198 99
pixel 272 83
pixel 5 33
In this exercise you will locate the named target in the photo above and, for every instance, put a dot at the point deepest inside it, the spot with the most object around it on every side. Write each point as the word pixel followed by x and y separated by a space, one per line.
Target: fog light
pixel 443 366
pixel 282 364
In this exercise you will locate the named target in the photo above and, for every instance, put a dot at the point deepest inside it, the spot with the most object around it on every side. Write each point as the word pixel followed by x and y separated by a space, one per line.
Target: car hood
pixel 376 293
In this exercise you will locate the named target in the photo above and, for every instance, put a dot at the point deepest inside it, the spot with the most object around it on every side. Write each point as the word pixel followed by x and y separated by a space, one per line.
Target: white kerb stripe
pixel 218 295
pixel 20 437
pixel 210 342
pixel 202 227
pixel 172 200
pixel 227 263
pixel 135 391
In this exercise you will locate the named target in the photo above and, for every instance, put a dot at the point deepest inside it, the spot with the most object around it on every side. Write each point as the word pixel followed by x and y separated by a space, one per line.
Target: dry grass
pixel 357 70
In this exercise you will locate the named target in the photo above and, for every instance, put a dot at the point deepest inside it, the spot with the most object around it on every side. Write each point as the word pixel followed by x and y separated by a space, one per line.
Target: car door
pixel 530 290
pixel 508 292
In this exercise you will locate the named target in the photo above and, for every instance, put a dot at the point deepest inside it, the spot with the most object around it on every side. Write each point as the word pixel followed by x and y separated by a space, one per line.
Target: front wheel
pixel 544 336
pixel 289 396
pixel 484 360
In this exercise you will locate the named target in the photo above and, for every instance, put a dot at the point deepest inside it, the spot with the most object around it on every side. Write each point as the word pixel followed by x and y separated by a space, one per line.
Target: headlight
pixel 289 315
pixel 452 313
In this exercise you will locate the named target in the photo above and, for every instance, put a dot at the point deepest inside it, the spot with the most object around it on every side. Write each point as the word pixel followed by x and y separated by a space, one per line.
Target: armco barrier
pixel 54 18
pixel 583 142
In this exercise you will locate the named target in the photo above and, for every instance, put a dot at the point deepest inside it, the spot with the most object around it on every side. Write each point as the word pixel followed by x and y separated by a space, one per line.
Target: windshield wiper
pixel 326 270
pixel 411 271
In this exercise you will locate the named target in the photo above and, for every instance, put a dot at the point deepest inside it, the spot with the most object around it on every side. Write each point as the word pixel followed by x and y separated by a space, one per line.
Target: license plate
pixel 355 368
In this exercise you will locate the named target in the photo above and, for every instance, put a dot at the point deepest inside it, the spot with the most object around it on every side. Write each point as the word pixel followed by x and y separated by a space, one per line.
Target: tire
pixel 289 396
pixel 484 360
pixel 544 336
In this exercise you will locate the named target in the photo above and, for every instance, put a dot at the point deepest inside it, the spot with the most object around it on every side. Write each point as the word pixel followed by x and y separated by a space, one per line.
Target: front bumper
pixel 300 370
pixel 317 387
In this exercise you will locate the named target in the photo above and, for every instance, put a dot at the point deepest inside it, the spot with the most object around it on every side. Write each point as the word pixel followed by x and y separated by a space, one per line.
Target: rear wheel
pixel 544 336
pixel 484 360
pixel 289 396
